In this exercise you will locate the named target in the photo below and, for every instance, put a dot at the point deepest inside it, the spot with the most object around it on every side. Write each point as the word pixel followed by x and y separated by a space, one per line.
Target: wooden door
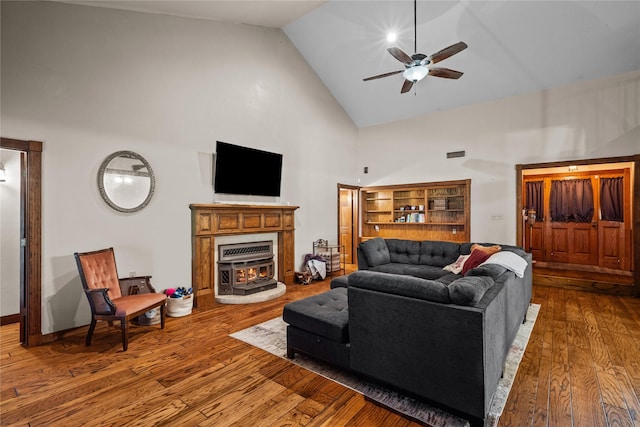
pixel 614 237
pixel 534 233
pixel 347 216
pixel 572 242
pixel 569 241
pixel 534 239
pixel 611 246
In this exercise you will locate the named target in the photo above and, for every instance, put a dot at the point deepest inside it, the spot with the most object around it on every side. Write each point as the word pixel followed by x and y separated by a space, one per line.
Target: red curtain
pixel 571 200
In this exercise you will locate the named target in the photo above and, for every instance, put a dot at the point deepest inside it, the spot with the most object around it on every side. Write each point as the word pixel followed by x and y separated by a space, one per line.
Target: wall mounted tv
pixel 246 171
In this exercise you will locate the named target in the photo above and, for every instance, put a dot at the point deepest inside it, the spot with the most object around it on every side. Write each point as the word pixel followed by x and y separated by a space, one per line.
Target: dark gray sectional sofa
pixel 406 323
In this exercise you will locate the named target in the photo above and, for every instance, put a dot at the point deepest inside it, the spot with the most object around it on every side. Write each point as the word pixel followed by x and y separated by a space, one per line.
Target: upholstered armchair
pixel 101 284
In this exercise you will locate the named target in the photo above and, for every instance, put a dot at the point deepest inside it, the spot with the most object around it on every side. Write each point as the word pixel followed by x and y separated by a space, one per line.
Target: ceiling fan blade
pixel 399 55
pixel 445 72
pixel 379 76
pixel 447 52
pixel 406 86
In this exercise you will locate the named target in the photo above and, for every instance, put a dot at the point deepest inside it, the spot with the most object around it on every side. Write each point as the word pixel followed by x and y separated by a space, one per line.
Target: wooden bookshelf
pixel 423 211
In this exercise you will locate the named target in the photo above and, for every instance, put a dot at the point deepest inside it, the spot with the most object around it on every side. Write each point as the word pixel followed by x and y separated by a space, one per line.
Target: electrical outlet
pixel 454 231
pixel 132 274
pixel 496 217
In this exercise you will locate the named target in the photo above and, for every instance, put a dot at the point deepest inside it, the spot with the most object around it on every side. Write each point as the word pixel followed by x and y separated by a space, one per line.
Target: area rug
pixel 271 336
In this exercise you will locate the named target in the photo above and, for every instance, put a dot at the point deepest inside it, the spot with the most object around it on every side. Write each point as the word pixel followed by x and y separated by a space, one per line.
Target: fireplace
pixel 245 268
pixel 215 224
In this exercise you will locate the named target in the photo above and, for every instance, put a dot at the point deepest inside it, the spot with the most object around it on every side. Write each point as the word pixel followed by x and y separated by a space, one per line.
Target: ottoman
pixel 318 326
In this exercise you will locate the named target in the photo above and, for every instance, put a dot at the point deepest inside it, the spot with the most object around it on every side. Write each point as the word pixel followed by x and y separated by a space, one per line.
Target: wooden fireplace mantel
pixel 211 220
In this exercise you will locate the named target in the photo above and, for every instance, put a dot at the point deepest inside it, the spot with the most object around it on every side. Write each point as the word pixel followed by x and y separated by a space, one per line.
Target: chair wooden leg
pixel 124 325
pixel 162 317
pixel 92 326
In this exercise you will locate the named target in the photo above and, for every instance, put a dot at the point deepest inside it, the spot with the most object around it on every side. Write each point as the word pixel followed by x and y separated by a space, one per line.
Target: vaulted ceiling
pixel 515 47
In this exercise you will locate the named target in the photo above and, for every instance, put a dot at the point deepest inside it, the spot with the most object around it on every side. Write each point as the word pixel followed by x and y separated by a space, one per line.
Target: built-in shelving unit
pixel 424 211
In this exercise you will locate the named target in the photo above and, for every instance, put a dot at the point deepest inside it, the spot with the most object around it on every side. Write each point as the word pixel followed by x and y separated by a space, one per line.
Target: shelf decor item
pixel 439 204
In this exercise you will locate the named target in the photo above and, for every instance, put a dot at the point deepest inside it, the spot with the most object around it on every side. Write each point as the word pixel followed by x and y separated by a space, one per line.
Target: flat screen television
pixel 246 171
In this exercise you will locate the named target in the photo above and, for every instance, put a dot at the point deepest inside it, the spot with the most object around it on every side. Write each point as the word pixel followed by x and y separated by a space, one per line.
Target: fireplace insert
pixel 246 268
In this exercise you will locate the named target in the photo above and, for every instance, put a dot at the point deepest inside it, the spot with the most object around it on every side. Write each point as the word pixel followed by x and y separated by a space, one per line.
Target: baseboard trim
pixel 583 285
pixel 9 319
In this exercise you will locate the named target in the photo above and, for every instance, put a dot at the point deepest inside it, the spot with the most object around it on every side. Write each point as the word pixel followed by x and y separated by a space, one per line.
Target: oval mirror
pixel 126 181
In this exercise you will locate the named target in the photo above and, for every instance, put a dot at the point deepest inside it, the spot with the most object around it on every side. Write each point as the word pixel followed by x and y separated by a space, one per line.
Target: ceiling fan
pixel 418 65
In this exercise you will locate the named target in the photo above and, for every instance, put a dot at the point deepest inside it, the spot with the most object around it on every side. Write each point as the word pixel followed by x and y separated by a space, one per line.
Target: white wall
pixel 88 81
pixel 10 234
pixel 588 120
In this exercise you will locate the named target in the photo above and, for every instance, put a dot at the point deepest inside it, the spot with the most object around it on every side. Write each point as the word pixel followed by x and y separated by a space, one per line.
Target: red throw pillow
pixel 476 258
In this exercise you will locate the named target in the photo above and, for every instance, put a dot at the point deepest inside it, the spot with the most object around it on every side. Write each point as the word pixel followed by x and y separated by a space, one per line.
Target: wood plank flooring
pixel 581 368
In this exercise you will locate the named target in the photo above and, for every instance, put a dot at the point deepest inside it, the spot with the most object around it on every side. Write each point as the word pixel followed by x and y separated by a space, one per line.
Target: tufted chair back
pixel 99 271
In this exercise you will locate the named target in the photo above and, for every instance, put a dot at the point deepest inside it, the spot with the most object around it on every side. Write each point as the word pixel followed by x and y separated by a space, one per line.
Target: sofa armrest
pixel 362 261
pixel 100 302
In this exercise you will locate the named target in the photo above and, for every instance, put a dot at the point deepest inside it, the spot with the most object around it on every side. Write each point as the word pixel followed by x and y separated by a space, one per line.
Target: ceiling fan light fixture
pixel 418 65
pixel 415 74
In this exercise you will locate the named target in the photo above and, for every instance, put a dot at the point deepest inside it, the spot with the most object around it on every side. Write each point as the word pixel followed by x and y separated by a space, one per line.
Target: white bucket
pixel 151 317
pixel 178 307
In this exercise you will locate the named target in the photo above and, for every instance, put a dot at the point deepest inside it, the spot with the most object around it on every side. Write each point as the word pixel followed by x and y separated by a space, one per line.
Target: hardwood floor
pixel 581 368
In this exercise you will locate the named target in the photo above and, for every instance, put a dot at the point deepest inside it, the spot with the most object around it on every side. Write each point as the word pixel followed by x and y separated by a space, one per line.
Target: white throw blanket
pixel 317 268
pixel 508 260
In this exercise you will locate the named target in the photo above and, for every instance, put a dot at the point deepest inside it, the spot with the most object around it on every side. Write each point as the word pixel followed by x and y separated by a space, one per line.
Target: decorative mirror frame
pixel 103 192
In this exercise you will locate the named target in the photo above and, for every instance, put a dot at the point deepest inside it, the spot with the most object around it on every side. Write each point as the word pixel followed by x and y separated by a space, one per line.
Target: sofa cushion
pixel 425 271
pixel 508 260
pixel 456 266
pixel 469 290
pixel 408 286
pixel 448 278
pixel 422 271
pixel 404 251
pixel 492 249
pixel 438 253
pixel 375 251
pixel 476 258
pixel 492 270
pixel 392 268
pixel 465 248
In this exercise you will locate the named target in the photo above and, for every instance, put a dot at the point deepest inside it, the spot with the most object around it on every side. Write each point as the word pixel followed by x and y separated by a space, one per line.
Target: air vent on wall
pixel 454 154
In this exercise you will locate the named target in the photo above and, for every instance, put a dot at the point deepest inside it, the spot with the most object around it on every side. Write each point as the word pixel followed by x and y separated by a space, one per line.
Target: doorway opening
pixel 348 232
pixel 30 238
pixel 578 220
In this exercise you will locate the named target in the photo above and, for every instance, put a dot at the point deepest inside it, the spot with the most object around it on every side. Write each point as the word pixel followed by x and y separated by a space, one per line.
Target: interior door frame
pixel 31 218
pixel 355 222
pixel 635 206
